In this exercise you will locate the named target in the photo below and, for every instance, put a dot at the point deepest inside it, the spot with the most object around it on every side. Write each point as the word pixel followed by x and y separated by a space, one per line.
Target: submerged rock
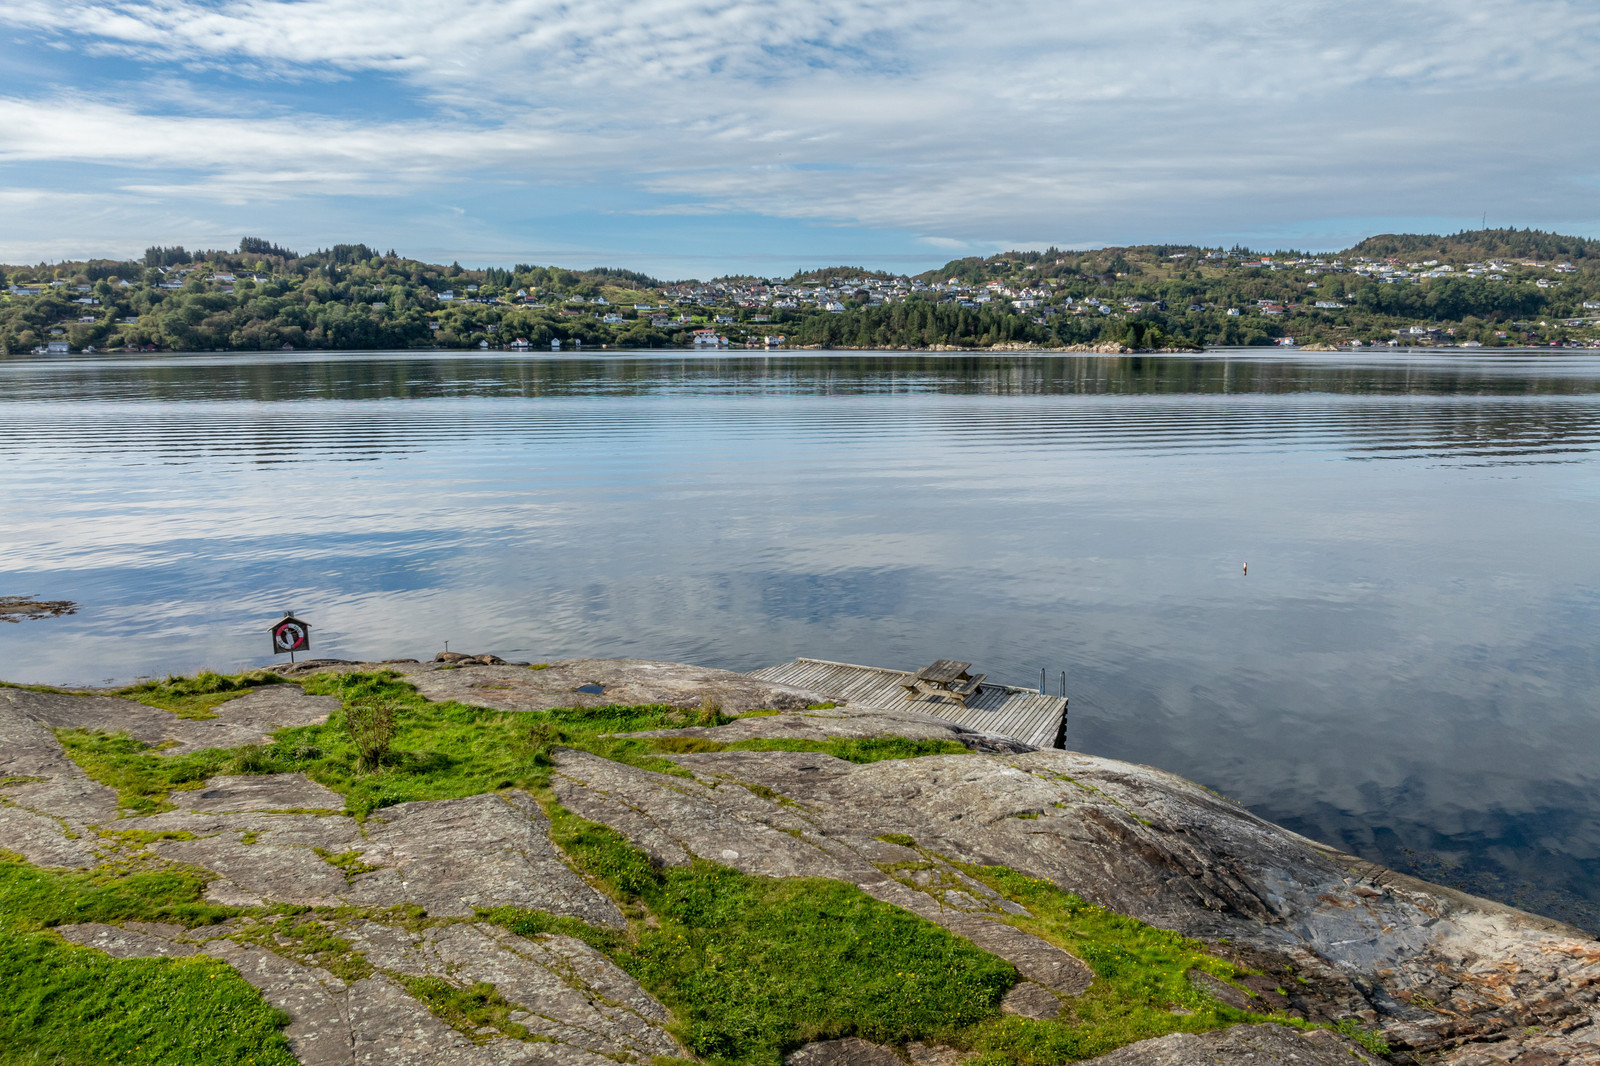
pixel 16 608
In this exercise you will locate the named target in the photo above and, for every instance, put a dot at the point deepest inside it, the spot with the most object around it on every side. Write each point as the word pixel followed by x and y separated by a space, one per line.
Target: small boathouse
pixel 940 690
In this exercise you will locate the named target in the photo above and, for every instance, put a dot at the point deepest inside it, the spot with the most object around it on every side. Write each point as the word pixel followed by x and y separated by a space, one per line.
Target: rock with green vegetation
pixel 829 721
pixel 191 878
pixel 160 713
pixel 450 856
pixel 622 682
pixel 1243 1045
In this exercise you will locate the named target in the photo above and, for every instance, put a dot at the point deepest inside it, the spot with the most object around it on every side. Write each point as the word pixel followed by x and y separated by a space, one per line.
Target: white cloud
pixel 1063 120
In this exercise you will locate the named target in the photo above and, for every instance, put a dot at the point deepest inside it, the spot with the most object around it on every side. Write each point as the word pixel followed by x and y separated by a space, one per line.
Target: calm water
pixel 1408 670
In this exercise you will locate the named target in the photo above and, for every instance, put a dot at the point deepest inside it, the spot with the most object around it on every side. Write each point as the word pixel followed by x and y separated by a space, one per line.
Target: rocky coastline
pixel 1324 941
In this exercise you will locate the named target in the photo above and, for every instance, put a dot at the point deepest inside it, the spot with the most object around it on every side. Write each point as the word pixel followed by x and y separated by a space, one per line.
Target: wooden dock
pixel 1022 713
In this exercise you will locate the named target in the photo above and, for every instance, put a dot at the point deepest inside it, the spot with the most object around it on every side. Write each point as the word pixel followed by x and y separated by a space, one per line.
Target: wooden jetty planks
pixel 1004 709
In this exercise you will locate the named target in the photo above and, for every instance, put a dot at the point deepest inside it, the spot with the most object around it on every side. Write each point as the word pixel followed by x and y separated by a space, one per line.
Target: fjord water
pixel 1408 670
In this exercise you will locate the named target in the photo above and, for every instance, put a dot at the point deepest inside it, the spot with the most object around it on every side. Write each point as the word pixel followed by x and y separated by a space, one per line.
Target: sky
pixel 692 138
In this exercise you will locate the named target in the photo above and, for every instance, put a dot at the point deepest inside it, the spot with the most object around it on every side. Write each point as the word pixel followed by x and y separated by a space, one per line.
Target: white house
pixel 58 348
pixel 708 338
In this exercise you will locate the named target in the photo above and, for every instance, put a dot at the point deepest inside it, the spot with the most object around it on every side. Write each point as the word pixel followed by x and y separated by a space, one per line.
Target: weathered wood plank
pixel 1009 711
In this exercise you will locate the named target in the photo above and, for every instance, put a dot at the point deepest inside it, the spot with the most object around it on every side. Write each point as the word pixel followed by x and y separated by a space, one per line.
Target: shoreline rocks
pixel 1448 978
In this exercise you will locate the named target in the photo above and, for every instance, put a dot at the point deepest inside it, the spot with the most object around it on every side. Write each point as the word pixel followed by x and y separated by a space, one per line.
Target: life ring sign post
pixel 289 634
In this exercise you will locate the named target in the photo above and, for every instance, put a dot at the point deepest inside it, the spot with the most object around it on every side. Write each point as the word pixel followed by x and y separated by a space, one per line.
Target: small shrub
pixel 710 713
pixel 370 724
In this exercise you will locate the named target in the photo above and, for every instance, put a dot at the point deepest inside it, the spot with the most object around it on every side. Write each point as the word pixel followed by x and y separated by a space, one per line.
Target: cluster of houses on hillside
pixel 1393 271
pixel 703 312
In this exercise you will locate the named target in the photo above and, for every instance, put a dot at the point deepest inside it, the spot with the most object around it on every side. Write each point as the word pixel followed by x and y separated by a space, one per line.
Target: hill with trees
pixel 1488 287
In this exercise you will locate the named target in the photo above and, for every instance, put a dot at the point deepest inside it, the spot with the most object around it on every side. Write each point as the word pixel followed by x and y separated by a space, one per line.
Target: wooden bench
pixel 945 677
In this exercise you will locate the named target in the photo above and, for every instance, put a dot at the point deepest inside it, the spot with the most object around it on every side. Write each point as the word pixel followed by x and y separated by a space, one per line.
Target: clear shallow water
pixel 1409 670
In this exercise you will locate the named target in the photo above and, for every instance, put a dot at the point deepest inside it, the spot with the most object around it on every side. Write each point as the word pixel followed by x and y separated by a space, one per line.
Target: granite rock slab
pixel 1242 1045
pixel 628 682
pixel 584 1014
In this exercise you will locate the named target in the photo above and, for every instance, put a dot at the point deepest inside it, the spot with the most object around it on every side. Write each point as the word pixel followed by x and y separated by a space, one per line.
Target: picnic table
pixel 947 678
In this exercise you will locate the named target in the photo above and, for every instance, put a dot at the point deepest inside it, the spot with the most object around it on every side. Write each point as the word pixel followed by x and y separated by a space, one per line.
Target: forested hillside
pixel 1491 288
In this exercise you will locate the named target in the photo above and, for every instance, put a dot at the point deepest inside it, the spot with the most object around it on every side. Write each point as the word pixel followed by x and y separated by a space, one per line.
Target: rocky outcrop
pixel 574 1007
pixel 249 719
pixel 449 857
pixel 1243 1045
pixel 1446 977
pixel 581 683
pixel 16 608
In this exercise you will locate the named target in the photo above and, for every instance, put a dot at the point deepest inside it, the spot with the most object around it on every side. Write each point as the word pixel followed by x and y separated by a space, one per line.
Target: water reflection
pixel 408 375
pixel 1408 671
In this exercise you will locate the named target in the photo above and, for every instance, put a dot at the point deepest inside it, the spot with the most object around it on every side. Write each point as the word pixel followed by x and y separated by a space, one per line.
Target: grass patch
pixel 196 697
pixel 1141 974
pixel 753 967
pixel 143 838
pixel 443 750
pixel 470 1010
pixel 42 688
pixel 312 942
pixel 142 777
pixel 530 923
pixel 32 899
pixel 1370 1039
pixel 66 1004
pixel 347 861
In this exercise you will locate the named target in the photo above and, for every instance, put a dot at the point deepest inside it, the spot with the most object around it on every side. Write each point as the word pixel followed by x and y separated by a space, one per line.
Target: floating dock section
pixel 1021 713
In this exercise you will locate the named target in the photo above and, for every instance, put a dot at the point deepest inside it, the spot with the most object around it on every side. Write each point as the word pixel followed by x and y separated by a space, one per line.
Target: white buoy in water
pixel 1246 568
